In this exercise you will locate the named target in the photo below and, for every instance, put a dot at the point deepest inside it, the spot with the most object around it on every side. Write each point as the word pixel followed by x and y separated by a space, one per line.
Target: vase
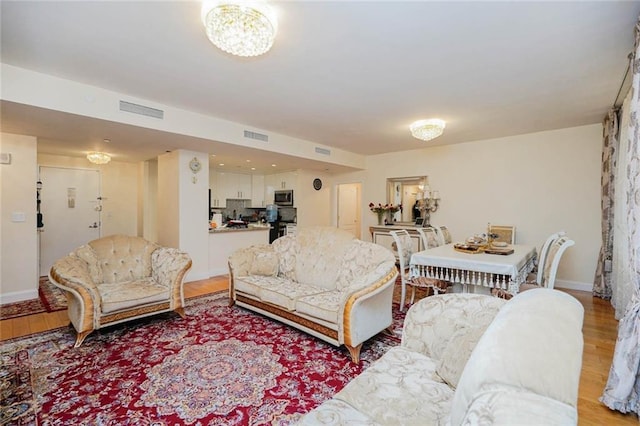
pixel 380 216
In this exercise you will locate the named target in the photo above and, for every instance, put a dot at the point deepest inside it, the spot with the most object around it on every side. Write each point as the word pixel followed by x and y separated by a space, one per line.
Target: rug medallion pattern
pixel 219 366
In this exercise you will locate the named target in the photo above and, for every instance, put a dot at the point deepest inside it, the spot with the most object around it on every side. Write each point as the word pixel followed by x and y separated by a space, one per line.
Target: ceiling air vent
pixel 141 109
pixel 323 151
pixel 257 136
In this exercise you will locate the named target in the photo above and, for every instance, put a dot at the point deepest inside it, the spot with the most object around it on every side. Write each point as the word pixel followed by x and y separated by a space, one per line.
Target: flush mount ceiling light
pixel 98 157
pixel 427 129
pixel 242 28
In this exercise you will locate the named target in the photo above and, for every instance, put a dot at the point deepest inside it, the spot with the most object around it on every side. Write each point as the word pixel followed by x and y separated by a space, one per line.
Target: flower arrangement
pixel 381 209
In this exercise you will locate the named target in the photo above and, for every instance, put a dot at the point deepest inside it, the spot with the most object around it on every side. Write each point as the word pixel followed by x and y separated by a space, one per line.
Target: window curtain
pixel 610 142
pixel 622 391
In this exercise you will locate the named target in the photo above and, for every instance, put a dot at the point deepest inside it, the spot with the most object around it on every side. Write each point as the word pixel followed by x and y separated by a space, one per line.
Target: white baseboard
pixel 18 296
pixel 574 285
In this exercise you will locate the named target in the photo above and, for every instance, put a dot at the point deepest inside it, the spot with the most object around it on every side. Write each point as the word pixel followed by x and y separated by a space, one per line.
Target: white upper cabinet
pixel 257 191
pixel 218 198
pixel 236 185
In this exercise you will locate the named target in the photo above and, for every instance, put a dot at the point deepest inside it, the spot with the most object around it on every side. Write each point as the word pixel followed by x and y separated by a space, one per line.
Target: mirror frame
pixel 395 186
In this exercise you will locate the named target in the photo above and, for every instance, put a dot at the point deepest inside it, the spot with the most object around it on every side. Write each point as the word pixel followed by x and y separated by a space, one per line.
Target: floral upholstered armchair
pixel 118 278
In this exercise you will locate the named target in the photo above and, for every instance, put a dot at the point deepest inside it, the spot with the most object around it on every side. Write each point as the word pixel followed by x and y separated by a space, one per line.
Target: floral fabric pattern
pixel 610 142
pixel 622 391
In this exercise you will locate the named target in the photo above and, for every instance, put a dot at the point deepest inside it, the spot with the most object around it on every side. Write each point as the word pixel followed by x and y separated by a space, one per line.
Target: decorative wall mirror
pixel 404 190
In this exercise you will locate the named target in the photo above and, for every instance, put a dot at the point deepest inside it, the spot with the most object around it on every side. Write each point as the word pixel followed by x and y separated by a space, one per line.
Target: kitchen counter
pixel 250 228
pixel 224 241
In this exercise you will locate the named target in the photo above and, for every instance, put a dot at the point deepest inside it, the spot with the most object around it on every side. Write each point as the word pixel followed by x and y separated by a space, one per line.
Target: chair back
pixel 405 248
pixel 446 235
pixel 505 233
pixel 544 251
pixel 429 238
pixel 552 260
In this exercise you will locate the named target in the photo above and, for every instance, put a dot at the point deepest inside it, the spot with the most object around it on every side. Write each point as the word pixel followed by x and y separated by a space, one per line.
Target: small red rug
pixel 220 366
pixel 51 299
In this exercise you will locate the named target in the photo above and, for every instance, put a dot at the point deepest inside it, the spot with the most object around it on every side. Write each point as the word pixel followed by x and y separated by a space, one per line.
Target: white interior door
pixel 348 208
pixel 70 206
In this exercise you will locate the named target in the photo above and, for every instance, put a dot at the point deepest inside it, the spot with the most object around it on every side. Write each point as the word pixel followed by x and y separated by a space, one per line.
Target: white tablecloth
pixel 488 270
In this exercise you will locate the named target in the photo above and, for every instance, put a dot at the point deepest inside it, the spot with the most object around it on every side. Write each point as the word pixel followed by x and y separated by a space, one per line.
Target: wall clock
pixel 317 184
pixel 195 165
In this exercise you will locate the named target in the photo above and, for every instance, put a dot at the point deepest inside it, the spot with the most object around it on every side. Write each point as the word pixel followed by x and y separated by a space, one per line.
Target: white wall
pixel 183 220
pixel 19 240
pixel 313 207
pixel 148 200
pixel 119 190
pixel 540 182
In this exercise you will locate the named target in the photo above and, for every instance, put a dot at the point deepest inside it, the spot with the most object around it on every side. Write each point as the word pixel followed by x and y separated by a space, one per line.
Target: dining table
pixel 501 271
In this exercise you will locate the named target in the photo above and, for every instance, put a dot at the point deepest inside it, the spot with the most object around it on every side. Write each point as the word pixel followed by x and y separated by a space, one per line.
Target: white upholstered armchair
pixel 119 278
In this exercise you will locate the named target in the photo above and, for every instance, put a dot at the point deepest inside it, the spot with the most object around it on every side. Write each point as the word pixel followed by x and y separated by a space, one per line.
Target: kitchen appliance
pixel 283 197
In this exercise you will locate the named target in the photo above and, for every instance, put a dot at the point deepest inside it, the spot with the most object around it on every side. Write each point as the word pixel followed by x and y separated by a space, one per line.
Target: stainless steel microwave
pixel 283 197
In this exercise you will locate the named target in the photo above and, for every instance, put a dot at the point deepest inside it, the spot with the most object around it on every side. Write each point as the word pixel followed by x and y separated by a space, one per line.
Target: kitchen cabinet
pixel 218 197
pixel 237 186
pixel 278 181
pixel 257 191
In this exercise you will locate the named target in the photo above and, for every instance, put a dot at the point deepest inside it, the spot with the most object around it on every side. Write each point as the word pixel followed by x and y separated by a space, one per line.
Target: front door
pixel 70 206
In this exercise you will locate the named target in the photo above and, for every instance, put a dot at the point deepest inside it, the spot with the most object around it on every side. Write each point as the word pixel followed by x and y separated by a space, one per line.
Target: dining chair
pixel 404 246
pixel 446 235
pixel 429 238
pixel 505 234
pixel 550 255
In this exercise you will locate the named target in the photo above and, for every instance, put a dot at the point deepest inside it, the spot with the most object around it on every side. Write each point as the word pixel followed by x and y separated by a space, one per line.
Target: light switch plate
pixel 18 217
pixel 5 158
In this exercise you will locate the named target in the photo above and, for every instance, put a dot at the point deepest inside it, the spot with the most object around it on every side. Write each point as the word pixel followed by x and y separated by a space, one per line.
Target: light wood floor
pixel 600 331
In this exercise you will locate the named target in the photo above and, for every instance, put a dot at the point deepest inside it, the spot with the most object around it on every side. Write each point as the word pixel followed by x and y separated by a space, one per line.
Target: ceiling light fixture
pixel 427 129
pixel 242 28
pixel 98 157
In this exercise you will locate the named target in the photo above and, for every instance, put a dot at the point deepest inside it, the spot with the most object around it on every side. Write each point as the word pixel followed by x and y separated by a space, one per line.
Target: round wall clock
pixel 317 184
pixel 195 165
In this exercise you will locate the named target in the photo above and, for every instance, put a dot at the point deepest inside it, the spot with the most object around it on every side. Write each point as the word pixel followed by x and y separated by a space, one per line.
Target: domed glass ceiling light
pixel 98 157
pixel 427 129
pixel 242 28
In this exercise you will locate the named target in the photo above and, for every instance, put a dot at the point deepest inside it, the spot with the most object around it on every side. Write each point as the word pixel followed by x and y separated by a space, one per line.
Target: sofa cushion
pixel 323 305
pixel 276 290
pixel 127 295
pixel 335 412
pixel 264 263
pixel 537 330
pixel 512 406
pixel 456 353
pixel 400 388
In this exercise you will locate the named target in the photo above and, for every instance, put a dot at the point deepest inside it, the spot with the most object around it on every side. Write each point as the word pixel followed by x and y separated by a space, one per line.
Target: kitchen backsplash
pixel 237 209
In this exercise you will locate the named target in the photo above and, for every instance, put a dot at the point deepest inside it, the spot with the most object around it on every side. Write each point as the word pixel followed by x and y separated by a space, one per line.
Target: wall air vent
pixel 141 109
pixel 323 151
pixel 257 136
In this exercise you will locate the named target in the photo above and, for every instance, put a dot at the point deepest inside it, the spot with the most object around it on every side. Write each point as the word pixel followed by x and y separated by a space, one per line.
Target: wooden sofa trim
pixel 276 310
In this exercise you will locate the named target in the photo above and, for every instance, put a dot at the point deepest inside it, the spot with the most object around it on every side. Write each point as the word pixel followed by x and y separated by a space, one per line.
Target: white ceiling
pixel 348 74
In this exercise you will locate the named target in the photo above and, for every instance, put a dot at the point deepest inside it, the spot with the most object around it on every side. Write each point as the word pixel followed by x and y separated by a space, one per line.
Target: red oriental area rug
pixel 51 299
pixel 219 366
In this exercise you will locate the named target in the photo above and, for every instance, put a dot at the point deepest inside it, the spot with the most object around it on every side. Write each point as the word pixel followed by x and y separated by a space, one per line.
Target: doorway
pixel 349 208
pixel 70 206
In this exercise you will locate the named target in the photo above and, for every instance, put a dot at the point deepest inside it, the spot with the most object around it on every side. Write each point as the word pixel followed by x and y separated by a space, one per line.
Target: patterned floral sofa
pixel 322 280
pixel 119 278
pixel 468 359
